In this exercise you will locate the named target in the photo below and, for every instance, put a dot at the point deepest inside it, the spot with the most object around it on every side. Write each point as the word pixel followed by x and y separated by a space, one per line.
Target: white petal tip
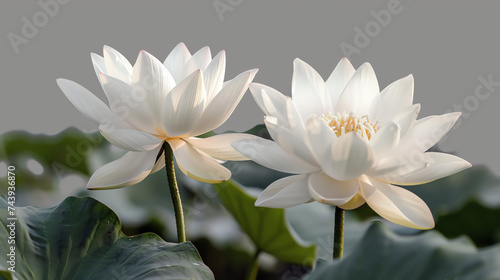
pixel 427 226
pixel 298 60
pixel 464 166
pixel 258 203
pixel 252 74
pixel 108 49
pixel 344 62
pixel 181 45
pixel 366 66
pixel 64 83
pixel 265 203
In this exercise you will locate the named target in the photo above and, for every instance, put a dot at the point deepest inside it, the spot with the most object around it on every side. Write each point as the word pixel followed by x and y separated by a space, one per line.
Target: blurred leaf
pixel 58 155
pixel 383 255
pixel 5 275
pixel 266 227
pixel 244 172
pixel 233 265
pixel 69 148
pixel 81 239
pixel 259 130
pixel 480 223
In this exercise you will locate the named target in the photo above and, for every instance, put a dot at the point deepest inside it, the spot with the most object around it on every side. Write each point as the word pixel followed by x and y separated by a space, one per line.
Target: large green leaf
pixel 480 223
pixel 266 227
pixel 383 255
pixel 81 239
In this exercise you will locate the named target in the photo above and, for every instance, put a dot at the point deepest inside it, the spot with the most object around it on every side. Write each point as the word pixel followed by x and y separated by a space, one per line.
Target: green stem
pixel 254 270
pixel 174 192
pixel 338 234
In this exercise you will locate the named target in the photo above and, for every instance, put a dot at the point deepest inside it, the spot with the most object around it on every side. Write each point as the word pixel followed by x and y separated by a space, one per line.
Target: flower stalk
pixel 338 233
pixel 254 269
pixel 174 192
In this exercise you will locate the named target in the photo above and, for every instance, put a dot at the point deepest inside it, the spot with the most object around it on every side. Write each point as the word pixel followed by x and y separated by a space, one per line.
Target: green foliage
pixel 6 275
pixel 383 255
pixel 59 155
pixel 480 223
pixel 266 227
pixel 68 148
pixel 467 203
pixel 81 239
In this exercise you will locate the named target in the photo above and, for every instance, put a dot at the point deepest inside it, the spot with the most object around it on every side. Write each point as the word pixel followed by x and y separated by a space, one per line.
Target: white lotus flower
pixel 152 102
pixel 348 143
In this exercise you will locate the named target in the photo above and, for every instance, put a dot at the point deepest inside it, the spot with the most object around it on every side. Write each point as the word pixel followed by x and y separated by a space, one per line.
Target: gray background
pixel 447 45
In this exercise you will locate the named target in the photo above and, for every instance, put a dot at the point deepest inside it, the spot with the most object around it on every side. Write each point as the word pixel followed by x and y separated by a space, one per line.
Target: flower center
pixel 342 123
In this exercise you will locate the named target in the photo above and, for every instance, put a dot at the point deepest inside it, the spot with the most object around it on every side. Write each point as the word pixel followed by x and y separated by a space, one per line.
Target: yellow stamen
pixel 342 123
